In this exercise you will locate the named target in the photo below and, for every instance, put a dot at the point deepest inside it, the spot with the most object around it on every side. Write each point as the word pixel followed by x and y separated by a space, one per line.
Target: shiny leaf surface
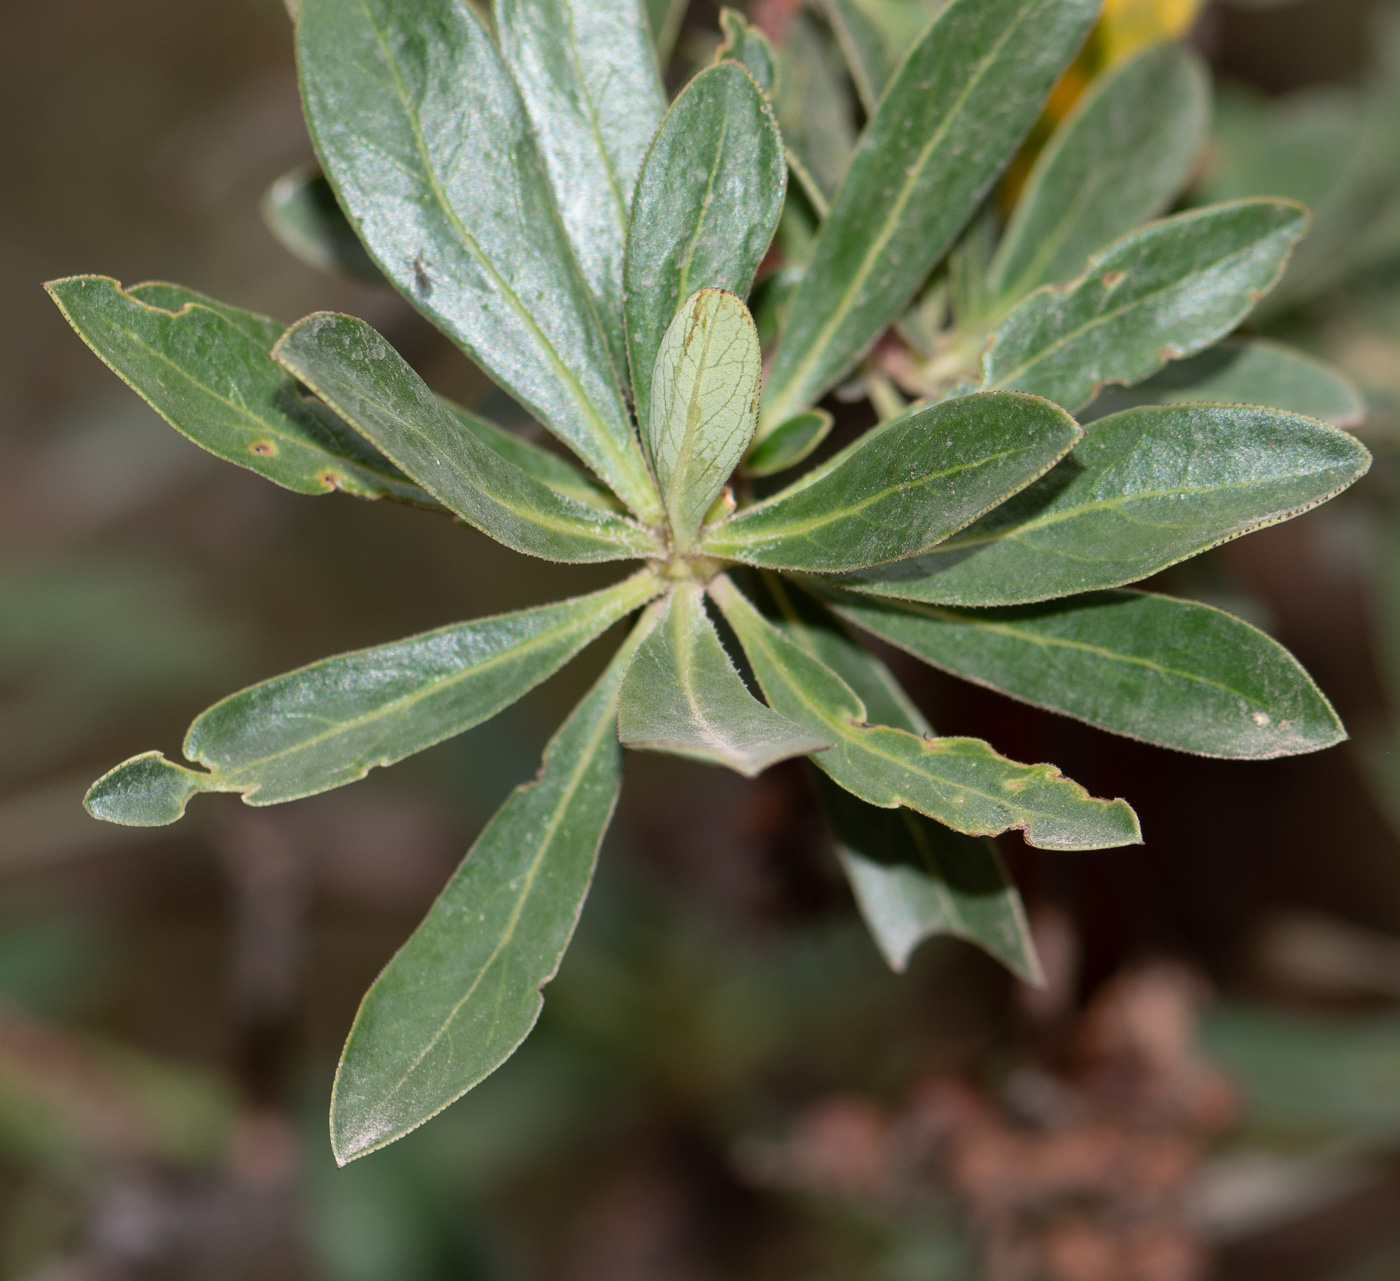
pixel 1143 490
pixel 353 369
pixel 329 724
pixel 683 696
pixel 948 124
pixel 903 487
pixel 961 782
pixel 1167 290
pixel 707 203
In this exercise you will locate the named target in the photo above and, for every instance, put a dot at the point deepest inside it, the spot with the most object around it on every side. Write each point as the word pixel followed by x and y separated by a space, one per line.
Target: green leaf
pixel 664 20
pixel 369 384
pixel 1244 372
pixel 1143 490
pixel 461 995
pixel 901 488
pixel 588 76
pixel 947 125
pixel 301 211
pixel 1155 668
pixel 1119 158
pixel 789 443
pixel 746 44
pixel 870 60
pixel 913 878
pixel 704 405
pixel 1166 290
pixel 961 782
pixel 707 203
pixel 329 724
pixel 683 696
pixel 204 367
pixel 815 110
pixel 424 137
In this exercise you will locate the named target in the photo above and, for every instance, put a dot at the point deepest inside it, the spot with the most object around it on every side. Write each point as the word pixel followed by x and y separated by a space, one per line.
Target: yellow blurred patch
pixel 1129 25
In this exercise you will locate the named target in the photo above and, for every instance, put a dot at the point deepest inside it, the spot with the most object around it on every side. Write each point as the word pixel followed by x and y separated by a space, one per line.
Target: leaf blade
pixel 462 220
pixel 470 977
pixel 682 696
pixel 1145 489
pixel 902 488
pixel 1166 671
pixel 351 367
pixel 947 125
pixel 960 782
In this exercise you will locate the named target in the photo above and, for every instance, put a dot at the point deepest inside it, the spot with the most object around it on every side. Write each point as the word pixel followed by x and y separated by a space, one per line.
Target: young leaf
pixel 961 782
pixel 707 203
pixel 588 77
pixel 1143 490
pixel 1118 159
pixel 683 696
pixel 704 405
pixel 913 878
pixel 789 443
pixel 946 127
pixel 329 724
pixel 461 995
pixel 1163 670
pixel 204 368
pixel 1243 372
pixel 746 44
pixel 1165 291
pixel 903 487
pixel 423 134
pixel 369 384
pixel 300 209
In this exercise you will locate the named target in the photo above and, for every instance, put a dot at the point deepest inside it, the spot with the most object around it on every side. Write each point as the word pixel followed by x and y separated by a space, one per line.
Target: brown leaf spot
pixel 1111 279
pixel 263 449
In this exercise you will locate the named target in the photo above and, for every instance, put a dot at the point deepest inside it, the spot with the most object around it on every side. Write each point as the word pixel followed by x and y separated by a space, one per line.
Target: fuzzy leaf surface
pixel 588 76
pixel 1163 670
pixel 683 696
pixel 1252 371
pixel 946 127
pixel 708 201
pixel 961 782
pixel 704 405
pixel 368 383
pixel 461 995
pixel 1162 292
pixel 903 487
pixel 1144 489
pixel 329 724
pixel 204 367
pixel 425 138
pixel 1119 158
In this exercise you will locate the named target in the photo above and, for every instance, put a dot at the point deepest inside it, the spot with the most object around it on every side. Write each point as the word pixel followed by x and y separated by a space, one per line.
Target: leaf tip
pixel 146 791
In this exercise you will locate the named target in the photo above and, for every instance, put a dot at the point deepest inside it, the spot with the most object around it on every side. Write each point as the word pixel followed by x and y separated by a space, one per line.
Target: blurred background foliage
pixel 727 1082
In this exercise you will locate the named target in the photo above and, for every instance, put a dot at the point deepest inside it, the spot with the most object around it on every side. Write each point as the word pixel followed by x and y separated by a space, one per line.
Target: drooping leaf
pixel 204 367
pixel 1255 371
pixel 461 995
pixel 549 469
pixel 1118 159
pixel 746 44
pixel 589 79
pixel 961 782
pixel 903 487
pixel 370 385
pixel 424 137
pixel 329 724
pixel 946 127
pixel 683 696
pixel 1167 290
pixel 1143 490
pixel 1167 671
pixel 300 209
pixel 913 878
pixel 704 405
pixel 707 203
pixel 789 443
pixel 815 110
